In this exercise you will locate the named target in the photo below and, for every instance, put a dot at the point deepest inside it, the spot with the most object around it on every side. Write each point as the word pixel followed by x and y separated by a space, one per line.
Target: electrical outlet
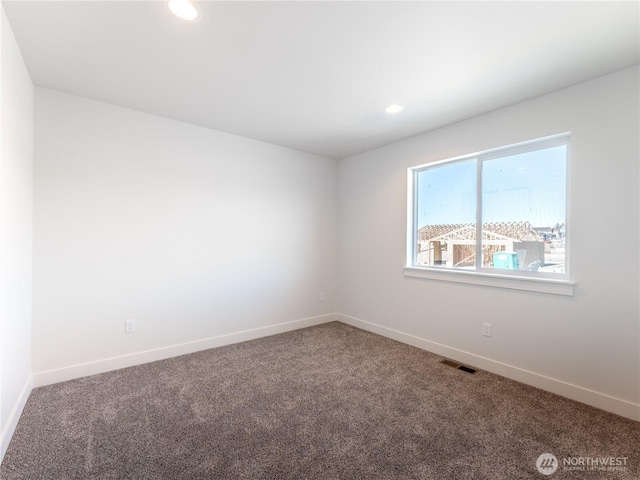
pixel 486 329
pixel 129 326
pixel 323 297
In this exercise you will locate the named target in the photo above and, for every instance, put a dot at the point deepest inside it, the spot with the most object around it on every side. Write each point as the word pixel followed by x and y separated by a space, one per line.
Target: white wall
pixel 194 233
pixel 586 346
pixel 16 222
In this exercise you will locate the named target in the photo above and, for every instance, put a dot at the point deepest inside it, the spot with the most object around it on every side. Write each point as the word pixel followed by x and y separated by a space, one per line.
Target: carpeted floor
pixel 327 402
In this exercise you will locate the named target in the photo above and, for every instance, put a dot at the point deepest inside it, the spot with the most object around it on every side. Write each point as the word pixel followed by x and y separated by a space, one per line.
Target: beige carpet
pixel 327 402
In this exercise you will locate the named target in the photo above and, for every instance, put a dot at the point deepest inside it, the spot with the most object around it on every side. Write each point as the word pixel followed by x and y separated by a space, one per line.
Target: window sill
pixel 539 285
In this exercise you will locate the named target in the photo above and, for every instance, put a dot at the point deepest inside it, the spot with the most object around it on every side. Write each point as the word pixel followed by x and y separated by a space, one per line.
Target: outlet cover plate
pixel 129 326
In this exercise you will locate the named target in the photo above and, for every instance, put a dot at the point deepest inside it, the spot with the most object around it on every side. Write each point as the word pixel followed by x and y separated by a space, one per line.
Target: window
pixel 499 213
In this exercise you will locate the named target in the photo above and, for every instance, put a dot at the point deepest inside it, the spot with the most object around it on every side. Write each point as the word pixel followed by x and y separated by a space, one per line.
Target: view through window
pixel 504 209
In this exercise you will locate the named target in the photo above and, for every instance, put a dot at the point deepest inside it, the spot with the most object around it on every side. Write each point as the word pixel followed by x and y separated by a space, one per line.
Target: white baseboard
pixel 605 402
pixel 596 399
pixel 14 416
pixel 100 366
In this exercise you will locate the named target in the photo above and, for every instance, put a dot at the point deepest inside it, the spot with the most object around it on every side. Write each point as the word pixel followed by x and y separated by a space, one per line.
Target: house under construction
pixel 455 245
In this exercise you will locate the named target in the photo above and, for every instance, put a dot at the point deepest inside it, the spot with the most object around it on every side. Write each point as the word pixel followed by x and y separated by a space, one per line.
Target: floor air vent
pixel 451 363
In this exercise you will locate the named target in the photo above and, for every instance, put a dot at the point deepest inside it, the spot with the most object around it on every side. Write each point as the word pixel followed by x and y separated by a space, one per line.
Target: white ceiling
pixel 316 76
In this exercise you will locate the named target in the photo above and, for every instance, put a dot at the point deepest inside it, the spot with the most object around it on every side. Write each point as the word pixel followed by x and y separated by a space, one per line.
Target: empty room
pixel 319 240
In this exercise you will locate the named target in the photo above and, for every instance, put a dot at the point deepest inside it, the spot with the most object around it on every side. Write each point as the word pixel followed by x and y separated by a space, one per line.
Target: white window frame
pixel 542 282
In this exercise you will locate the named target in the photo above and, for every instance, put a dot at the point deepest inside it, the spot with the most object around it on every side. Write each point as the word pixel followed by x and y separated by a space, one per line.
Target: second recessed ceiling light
pixel 394 108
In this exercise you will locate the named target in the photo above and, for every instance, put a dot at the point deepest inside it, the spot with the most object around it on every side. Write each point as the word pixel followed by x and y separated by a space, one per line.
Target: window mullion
pixel 478 214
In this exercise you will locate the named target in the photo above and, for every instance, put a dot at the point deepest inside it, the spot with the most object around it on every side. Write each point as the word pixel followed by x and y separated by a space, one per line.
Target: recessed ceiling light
pixel 184 9
pixel 394 108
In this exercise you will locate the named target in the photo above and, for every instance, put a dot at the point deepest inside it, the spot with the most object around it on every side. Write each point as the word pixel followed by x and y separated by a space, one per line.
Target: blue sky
pixel 524 187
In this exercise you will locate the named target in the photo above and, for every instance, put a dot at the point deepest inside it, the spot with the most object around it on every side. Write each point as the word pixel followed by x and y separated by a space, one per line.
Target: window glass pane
pixel 523 211
pixel 446 215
